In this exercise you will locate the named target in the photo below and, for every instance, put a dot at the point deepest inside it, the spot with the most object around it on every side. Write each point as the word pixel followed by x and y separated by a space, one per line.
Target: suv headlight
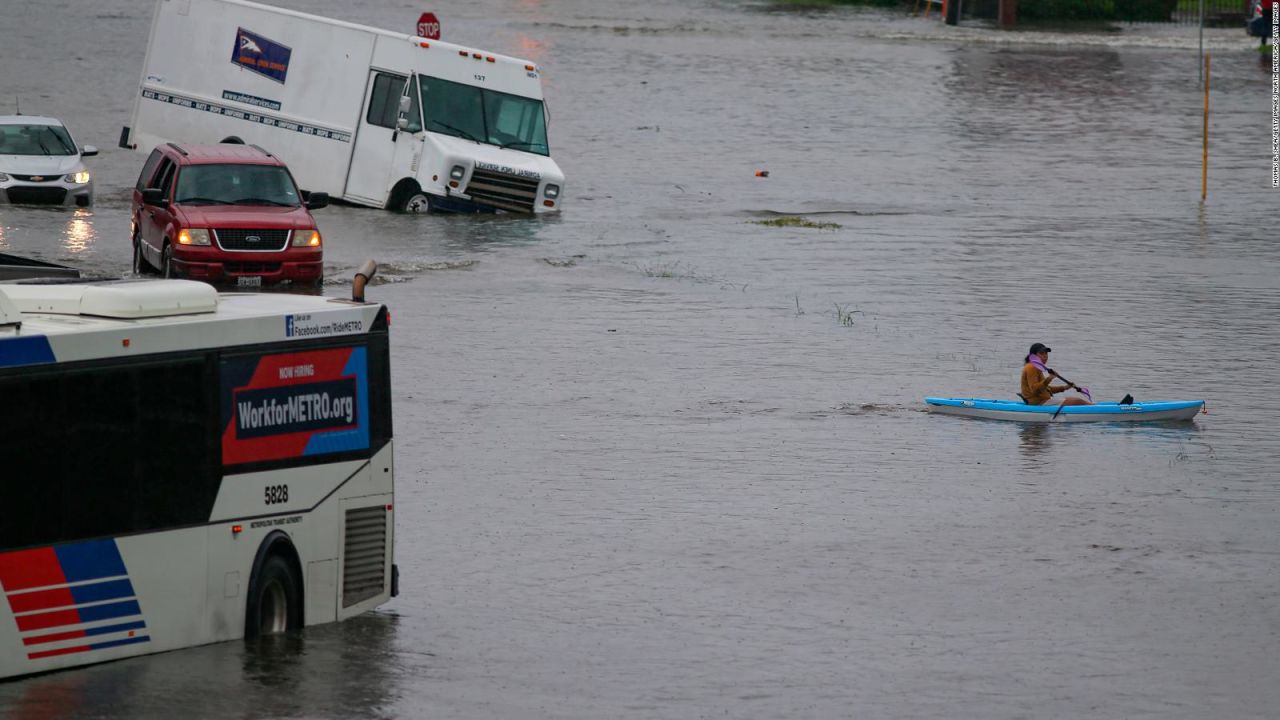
pixel 306 238
pixel 551 191
pixel 195 236
pixel 79 178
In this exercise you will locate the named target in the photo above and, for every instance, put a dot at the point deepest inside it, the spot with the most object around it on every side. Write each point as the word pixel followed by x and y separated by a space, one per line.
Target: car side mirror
pixel 317 200
pixel 88 151
pixel 153 196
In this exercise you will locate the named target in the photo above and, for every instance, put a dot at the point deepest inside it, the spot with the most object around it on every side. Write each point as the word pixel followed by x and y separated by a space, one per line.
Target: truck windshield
pixel 486 116
pixel 35 140
pixel 235 185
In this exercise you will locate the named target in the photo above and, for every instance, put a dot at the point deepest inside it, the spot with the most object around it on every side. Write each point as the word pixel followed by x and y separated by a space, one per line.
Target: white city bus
pixel 179 467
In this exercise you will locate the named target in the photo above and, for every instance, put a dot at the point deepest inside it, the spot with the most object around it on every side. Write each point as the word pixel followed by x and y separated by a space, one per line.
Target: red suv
pixel 225 213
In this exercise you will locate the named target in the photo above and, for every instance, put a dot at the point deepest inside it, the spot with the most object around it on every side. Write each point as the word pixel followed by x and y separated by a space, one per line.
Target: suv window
pixel 163 176
pixel 148 170
pixel 384 103
pixel 235 184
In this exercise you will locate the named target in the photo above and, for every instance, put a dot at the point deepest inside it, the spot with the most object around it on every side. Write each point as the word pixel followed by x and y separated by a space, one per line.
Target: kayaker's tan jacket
pixel 1035 385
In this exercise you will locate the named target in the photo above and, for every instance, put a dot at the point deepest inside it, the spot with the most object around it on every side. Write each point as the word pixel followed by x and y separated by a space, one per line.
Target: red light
pixel 424 44
pixel 124 342
pixel 490 59
pixel 453 183
pixel 476 55
pixel 388 507
pixel 529 68
pixel 236 529
pixel 463 53
pixel 388 318
pixel 549 203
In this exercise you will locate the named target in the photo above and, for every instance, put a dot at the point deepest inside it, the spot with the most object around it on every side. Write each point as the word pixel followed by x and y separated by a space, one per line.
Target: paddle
pixel 1082 391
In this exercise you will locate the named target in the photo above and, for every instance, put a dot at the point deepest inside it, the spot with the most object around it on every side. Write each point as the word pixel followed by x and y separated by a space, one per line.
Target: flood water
pixel 656 460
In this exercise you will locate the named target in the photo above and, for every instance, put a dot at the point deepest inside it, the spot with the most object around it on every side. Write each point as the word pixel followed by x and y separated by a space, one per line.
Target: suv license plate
pixel 249 281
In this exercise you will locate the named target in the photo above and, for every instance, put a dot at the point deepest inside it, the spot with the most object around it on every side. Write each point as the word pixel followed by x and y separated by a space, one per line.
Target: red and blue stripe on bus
pixel 72 592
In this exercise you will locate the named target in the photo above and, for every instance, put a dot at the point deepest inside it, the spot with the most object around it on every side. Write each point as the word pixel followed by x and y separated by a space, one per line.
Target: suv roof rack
pixel 177 147
pixel 259 149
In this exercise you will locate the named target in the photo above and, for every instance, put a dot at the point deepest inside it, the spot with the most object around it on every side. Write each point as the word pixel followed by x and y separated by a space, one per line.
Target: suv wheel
pixel 140 264
pixel 166 262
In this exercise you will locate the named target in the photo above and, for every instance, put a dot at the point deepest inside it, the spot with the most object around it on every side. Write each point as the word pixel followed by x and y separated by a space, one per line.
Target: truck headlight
pixel 4 178
pixel 79 178
pixel 551 191
pixel 457 172
pixel 306 238
pixel 196 236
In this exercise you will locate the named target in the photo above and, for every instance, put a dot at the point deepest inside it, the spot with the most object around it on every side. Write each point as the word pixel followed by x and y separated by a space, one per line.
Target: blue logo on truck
pixel 263 56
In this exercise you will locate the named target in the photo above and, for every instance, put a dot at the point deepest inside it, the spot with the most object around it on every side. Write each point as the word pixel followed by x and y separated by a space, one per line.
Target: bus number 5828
pixel 276 494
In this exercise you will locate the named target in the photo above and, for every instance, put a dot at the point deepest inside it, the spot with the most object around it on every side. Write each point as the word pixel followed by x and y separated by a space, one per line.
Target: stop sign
pixel 429 26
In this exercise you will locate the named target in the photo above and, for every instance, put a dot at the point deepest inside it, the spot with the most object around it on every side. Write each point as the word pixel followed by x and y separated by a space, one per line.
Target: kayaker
pixel 1037 378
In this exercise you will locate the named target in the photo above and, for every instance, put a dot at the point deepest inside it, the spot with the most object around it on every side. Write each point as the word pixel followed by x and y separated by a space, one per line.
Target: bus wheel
pixel 275 603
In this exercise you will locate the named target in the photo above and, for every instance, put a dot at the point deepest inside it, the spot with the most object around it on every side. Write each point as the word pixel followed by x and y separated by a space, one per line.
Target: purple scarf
pixel 1040 366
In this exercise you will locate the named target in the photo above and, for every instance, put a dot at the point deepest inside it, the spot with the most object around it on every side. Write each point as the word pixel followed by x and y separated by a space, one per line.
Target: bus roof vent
pixel 126 299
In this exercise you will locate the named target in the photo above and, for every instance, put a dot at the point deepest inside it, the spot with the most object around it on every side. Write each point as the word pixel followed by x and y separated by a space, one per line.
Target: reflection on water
pixel 79 234
pixel 344 668
pixel 1034 441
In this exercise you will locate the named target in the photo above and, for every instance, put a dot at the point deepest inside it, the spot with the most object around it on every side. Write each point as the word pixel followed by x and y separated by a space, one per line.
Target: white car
pixel 41 164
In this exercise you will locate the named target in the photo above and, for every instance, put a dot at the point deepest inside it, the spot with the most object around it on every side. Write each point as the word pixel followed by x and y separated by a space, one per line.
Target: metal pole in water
pixel 1204 157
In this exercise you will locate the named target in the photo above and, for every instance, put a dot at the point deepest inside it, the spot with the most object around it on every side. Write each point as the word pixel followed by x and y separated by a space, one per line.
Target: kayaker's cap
pixel 1039 348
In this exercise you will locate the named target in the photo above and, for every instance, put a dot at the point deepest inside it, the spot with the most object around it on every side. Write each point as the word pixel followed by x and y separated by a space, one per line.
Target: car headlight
pixel 195 236
pixel 457 172
pixel 306 238
pixel 79 178
pixel 551 191
pixel 3 177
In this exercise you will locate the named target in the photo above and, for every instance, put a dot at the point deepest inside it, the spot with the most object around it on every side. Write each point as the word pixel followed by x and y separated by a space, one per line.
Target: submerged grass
pixel 796 221
pixel 845 315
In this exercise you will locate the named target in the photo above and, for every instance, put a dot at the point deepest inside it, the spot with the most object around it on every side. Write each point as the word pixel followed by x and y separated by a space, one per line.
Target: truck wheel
pixel 275 599
pixel 166 262
pixel 415 202
pixel 233 140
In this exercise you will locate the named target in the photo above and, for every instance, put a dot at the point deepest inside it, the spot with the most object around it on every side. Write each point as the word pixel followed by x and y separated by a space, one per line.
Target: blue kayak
pixel 1098 412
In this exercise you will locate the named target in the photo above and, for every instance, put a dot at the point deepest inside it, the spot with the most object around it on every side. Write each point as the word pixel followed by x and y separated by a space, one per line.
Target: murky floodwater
pixel 645 470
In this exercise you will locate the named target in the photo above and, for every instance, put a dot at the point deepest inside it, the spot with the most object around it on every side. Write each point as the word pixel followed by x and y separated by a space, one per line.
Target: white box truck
pixel 370 116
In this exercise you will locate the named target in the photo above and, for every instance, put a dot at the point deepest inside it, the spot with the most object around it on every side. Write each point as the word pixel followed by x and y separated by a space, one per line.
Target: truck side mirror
pixel 402 123
pixel 317 200
pixel 405 104
pixel 153 196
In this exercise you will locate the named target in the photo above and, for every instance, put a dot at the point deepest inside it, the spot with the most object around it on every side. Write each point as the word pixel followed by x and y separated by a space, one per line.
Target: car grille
pixel 251 268
pixel 503 191
pixel 37 195
pixel 36 178
pixel 260 240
